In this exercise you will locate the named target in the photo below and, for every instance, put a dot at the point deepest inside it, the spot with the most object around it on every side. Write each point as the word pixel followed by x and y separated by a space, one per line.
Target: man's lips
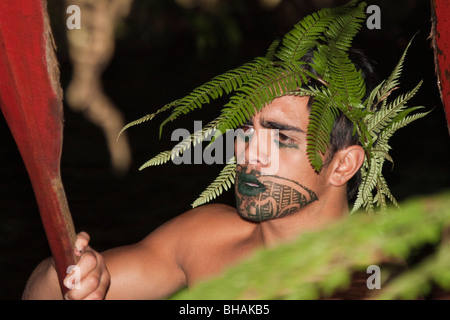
pixel 249 185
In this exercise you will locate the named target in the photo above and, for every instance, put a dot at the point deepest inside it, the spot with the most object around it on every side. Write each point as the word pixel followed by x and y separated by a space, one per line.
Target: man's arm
pixel 148 269
pixel 145 270
pixel 93 276
pixel 43 283
pixel 187 248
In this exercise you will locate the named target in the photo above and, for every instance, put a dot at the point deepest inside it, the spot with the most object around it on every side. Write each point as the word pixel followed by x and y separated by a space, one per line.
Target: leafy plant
pixel 282 71
pixel 411 247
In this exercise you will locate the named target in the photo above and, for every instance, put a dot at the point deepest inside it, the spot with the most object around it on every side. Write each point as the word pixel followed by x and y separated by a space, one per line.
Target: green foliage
pixel 223 182
pixel 323 263
pixel 328 34
pixel 380 122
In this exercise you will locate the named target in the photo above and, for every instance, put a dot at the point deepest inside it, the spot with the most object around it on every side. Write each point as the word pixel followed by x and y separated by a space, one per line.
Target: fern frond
pixel 398 124
pixel 346 80
pixel 332 62
pixel 259 91
pixel 270 55
pixel 345 26
pixel 369 172
pixel 148 117
pixel 370 101
pixel 157 160
pixel 383 184
pixel 321 120
pixel 307 33
pixel 215 88
pixel 392 81
pixel 382 118
pixel 224 181
pixel 195 138
pixel 359 202
pixel 338 37
pixel 304 35
pixel 372 177
pixel 371 180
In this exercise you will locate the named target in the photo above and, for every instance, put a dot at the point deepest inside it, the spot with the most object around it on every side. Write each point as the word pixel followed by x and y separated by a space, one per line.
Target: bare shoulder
pixel 189 247
pixel 210 218
pixel 203 230
pixel 211 214
pixel 209 238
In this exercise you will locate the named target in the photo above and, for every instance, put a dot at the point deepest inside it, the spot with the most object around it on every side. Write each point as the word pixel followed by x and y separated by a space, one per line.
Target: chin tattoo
pixel 260 197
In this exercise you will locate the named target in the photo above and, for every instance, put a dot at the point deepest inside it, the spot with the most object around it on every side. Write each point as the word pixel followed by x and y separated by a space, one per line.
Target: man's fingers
pixel 89 279
pixel 81 243
pixel 92 281
pixel 87 286
pixel 100 292
pixel 86 265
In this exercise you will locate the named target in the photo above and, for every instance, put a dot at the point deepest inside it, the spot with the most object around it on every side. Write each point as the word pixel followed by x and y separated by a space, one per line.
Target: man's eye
pixel 285 141
pixel 245 133
pixel 283 138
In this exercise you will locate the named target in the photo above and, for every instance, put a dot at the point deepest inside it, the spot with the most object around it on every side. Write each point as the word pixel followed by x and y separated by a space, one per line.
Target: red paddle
pixel 440 33
pixel 31 102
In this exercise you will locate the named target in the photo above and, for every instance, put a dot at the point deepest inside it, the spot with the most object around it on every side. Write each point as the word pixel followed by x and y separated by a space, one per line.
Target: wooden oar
pixel 440 35
pixel 31 102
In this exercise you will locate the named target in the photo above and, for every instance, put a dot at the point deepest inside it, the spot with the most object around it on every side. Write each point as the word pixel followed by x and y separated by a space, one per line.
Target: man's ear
pixel 345 165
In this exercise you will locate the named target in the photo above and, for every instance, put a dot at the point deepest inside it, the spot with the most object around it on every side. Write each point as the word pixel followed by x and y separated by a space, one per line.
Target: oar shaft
pixel 31 102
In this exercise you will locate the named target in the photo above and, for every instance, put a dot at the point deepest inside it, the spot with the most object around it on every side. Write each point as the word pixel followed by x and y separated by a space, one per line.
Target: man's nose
pixel 258 150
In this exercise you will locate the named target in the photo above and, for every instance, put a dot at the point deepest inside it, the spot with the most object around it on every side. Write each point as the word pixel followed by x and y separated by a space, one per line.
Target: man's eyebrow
pixel 279 126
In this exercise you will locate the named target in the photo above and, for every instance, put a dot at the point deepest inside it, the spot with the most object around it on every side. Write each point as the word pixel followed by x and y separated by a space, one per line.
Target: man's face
pixel 263 193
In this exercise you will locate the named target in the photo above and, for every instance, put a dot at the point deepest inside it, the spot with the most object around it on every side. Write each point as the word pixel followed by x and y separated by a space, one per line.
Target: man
pixel 184 251
pixel 307 191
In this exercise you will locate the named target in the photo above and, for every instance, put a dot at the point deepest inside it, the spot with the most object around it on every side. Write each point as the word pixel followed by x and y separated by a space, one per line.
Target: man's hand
pixel 90 279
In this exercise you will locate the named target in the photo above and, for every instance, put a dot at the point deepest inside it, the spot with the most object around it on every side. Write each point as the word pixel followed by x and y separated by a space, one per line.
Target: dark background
pixel 164 51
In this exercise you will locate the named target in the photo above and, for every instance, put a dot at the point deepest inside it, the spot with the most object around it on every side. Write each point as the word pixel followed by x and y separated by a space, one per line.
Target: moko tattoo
pixel 260 197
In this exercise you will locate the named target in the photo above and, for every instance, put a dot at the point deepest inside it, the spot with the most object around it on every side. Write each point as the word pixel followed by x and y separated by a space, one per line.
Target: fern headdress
pixel 282 71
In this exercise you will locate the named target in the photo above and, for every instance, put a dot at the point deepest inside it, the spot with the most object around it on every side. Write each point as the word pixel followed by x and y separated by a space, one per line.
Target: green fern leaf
pixel 392 81
pixel 223 182
pixel 369 180
pixel 148 117
pixel 338 37
pixel 270 55
pixel 382 118
pixel 388 132
pixel 307 33
pixel 195 138
pixel 384 186
pixel 215 88
pixel 159 159
pixel 321 120
pixel 259 91
pixel 304 35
